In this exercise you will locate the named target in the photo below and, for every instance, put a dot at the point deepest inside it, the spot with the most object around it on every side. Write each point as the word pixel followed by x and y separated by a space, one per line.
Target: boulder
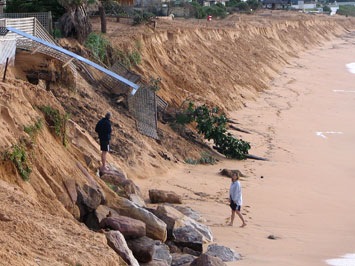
pixel 162 252
pixel 88 200
pixel 207 260
pixel 92 182
pixel 224 253
pixel 179 259
pixel 138 200
pixel 124 187
pixel 103 211
pixel 229 173
pixel 189 213
pixel 155 228
pixel 70 186
pixel 155 263
pixel 117 242
pixel 161 196
pixel 183 230
pixel 128 227
pixel 143 248
pixel 89 196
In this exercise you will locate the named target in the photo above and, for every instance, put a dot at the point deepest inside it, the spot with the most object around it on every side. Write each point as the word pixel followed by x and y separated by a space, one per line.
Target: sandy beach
pixel 304 125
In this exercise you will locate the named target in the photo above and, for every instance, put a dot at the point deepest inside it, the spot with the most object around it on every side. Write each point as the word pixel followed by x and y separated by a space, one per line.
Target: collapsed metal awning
pixel 127 82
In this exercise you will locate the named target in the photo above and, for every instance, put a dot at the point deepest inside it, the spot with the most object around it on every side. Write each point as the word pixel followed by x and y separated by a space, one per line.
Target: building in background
pixel 2 6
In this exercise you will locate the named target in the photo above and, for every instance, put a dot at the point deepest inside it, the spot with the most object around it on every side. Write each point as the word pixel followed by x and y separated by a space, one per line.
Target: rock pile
pixel 165 235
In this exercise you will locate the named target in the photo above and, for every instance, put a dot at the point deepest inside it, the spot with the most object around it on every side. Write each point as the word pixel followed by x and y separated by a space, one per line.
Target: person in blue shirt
pixel 103 129
pixel 236 199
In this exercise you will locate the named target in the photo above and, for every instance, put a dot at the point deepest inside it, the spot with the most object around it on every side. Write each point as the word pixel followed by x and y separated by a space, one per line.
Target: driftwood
pixel 250 156
pixel 239 129
pixel 231 121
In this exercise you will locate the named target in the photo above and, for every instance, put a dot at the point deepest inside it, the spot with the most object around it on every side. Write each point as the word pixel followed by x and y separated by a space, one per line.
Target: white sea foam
pixel 346 260
pixel 351 67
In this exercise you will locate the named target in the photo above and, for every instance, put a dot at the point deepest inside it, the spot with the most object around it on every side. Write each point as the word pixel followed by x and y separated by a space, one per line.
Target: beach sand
pixel 306 196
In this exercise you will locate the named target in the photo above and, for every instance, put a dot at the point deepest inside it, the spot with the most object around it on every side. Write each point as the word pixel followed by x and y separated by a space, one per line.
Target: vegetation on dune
pixel 20 6
pixel 346 11
pixel 33 130
pixel 206 158
pixel 103 51
pixel 56 121
pixel 212 125
pixel 97 44
pixel 18 155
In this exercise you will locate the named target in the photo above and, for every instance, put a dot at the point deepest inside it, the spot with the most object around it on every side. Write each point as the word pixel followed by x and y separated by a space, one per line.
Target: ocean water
pixel 346 260
pixel 351 67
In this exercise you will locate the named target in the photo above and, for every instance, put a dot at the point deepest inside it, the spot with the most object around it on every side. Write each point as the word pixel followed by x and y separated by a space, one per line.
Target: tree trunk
pixel 102 18
pixel 75 23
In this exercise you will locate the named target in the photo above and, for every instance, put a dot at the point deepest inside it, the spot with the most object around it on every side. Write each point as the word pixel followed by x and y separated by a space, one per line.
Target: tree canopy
pixel 29 6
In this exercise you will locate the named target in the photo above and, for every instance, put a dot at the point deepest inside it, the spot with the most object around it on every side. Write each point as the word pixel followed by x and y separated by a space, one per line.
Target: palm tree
pixel 75 22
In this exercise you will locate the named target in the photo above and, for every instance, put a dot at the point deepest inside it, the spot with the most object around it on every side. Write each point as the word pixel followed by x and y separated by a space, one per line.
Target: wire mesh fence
pixel 45 18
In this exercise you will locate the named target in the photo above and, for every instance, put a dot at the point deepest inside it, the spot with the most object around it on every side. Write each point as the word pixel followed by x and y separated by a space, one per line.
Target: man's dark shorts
pixel 234 206
pixel 104 145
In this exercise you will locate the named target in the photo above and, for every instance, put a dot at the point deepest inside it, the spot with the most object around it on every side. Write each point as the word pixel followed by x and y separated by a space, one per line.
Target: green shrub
pixel 154 84
pixel 98 45
pixel 326 9
pixel 217 10
pixel 19 157
pixel 33 130
pixel 140 17
pixel 56 121
pixel 346 10
pixel 190 161
pixel 129 58
pixel 212 126
pixel 205 158
pixel 135 58
pixel 186 116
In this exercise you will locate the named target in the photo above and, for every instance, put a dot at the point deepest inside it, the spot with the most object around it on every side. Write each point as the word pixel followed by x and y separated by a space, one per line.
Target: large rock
pixel 124 187
pixel 207 260
pixel 161 196
pixel 183 230
pixel 117 242
pixel 92 182
pixel 182 259
pixel 155 263
pixel 230 172
pixel 104 211
pixel 130 228
pixel 190 213
pixel 162 252
pixel 224 253
pixel 91 197
pixel 142 248
pixel 155 227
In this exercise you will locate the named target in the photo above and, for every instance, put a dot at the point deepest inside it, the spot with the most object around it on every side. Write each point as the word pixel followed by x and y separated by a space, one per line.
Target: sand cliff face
pixel 223 63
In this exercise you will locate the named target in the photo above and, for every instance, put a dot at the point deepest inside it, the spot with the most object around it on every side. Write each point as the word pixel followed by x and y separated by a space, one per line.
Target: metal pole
pixel 4 77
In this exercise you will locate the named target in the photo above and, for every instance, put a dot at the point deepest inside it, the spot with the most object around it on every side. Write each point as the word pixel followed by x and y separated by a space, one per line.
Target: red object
pixel 209 18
